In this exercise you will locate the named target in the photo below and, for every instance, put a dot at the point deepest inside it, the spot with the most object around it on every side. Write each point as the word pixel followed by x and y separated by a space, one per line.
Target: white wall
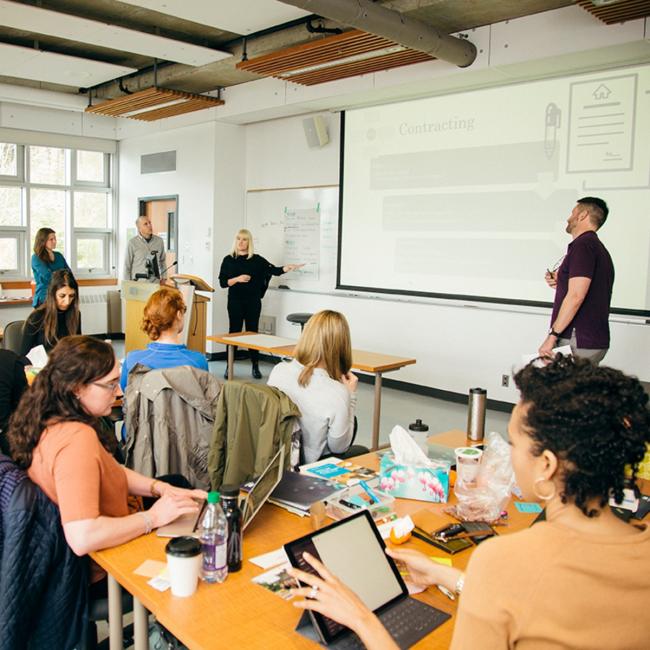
pixel 210 163
pixel 229 201
pixel 456 346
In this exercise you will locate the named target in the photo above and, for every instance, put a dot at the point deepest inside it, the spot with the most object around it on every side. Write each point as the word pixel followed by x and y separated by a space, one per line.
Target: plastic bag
pixel 485 500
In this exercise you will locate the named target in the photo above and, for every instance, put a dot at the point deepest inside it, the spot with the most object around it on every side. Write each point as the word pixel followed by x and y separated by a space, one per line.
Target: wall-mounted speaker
pixel 316 131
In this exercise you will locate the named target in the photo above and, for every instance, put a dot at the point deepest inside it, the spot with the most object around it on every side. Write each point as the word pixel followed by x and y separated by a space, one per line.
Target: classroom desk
pixel 240 614
pixel 371 362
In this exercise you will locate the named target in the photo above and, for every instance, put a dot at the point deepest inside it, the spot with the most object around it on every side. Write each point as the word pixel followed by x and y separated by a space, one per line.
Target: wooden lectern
pixel 136 295
pixel 197 328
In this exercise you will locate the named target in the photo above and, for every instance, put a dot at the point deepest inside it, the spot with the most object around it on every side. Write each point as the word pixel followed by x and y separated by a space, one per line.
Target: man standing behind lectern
pixel 583 286
pixel 141 252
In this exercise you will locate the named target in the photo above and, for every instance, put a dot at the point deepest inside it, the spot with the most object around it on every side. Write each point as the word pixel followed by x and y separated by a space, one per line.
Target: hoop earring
pixel 544 497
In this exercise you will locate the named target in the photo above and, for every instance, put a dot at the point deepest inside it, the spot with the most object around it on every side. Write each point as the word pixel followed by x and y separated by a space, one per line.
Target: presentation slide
pixel 467 195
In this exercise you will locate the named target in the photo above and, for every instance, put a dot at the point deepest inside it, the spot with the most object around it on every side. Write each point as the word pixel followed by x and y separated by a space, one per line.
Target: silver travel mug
pixel 476 414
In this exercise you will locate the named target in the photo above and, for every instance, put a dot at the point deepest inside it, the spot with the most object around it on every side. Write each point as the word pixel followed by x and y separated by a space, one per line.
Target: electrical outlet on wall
pixel 505 381
pixel 267 325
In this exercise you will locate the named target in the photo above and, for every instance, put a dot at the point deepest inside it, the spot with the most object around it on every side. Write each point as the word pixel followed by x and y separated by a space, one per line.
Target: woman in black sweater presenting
pixel 246 276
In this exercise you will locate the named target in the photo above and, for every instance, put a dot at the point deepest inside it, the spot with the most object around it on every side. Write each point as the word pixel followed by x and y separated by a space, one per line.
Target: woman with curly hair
pixel 581 578
pixel 57 317
pixel 162 321
pixel 53 435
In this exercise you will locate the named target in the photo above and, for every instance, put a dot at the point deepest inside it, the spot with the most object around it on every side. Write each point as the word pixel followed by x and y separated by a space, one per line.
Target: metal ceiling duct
pixel 375 19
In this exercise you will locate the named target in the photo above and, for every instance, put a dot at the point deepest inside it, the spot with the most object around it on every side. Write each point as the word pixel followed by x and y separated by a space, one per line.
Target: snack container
pixel 354 499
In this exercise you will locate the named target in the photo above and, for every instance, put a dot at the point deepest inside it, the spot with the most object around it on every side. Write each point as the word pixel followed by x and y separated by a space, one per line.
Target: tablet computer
pixel 353 550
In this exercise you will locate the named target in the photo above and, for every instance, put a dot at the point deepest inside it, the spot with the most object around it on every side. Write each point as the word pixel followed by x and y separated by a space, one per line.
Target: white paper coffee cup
pixel 183 565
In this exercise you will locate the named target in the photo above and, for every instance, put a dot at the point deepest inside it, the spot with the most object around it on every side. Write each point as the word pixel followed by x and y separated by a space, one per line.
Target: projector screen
pixel 467 195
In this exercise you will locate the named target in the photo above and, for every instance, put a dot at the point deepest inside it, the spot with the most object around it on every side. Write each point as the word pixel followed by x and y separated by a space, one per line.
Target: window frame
pixel 19 176
pixel 75 182
pixel 18 233
pixel 71 235
pixel 91 233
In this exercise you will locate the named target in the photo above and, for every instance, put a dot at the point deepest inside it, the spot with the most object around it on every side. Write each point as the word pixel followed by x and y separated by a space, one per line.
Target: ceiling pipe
pixel 378 20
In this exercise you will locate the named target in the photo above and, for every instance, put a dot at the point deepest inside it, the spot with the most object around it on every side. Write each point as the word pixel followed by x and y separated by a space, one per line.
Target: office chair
pixel 299 318
pixel 13 336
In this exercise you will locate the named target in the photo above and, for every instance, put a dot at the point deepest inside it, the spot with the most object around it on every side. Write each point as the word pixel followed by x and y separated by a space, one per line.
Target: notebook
pixel 250 505
pixel 297 492
pixel 354 551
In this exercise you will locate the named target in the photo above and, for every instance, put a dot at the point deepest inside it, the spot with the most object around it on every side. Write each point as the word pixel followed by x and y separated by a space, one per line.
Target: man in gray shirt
pixel 140 251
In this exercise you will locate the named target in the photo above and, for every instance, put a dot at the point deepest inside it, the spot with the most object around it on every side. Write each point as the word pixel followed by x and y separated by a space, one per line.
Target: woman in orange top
pixel 581 578
pixel 53 436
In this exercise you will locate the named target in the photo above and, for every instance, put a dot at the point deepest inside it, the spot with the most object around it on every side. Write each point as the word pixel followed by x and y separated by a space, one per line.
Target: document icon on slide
pixel 601 124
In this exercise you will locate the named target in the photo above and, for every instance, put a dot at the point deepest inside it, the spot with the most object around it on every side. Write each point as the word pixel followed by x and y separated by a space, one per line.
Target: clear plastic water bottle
pixel 214 541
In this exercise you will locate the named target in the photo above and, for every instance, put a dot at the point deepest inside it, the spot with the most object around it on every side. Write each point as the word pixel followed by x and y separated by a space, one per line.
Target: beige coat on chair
pixel 169 419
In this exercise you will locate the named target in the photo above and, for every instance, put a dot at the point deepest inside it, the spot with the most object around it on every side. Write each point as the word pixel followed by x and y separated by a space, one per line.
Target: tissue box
pixel 421 482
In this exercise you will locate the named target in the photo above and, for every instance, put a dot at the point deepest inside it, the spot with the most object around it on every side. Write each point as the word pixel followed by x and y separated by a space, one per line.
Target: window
pixel 8 254
pixel 11 161
pixel 91 210
pixel 67 190
pixel 11 206
pixel 47 165
pixel 90 168
pixel 92 254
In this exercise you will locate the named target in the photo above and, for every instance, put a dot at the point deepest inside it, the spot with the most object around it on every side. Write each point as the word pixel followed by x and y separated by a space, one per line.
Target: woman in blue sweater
pixel 45 261
pixel 162 320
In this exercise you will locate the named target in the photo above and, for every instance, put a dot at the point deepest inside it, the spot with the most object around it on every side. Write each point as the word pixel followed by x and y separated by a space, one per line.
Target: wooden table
pixel 240 614
pixel 371 362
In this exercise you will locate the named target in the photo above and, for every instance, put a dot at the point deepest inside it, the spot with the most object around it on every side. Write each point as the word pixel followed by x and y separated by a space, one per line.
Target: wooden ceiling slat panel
pixel 178 109
pixel 618 12
pixel 328 51
pixel 361 67
pixel 135 105
pixel 315 55
pixel 119 101
pixel 151 97
pixel 338 39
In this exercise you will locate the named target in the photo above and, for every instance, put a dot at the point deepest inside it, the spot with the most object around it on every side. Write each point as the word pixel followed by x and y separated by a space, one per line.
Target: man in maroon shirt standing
pixel 583 287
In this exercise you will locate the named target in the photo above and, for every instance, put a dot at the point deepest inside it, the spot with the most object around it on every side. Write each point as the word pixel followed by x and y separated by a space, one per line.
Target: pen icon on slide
pixel 552 121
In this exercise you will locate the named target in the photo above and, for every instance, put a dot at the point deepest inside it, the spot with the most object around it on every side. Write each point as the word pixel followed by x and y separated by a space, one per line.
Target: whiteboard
pixel 297 226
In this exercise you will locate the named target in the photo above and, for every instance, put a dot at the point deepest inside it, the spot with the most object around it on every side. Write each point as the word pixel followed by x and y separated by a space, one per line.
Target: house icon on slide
pixel 602 92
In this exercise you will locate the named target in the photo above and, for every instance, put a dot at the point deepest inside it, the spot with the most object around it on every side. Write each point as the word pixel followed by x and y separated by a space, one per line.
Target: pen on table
pixel 369 492
pixel 424 537
pixel 448 538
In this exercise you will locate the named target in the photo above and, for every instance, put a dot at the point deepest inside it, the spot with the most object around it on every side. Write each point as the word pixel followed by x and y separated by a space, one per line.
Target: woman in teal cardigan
pixel 45 261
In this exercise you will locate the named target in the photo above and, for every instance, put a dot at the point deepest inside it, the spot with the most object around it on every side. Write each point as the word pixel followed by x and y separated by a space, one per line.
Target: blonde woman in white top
pixel 321 385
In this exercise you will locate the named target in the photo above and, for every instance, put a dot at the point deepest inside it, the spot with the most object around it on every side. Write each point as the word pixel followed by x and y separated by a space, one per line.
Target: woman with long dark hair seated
pixel 57 317
pixel 162 320
pixel 580 579
pixel 53 436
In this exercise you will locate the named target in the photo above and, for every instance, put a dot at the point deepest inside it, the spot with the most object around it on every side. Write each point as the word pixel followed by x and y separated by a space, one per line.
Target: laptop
pixel 354 551
pixel 257 496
